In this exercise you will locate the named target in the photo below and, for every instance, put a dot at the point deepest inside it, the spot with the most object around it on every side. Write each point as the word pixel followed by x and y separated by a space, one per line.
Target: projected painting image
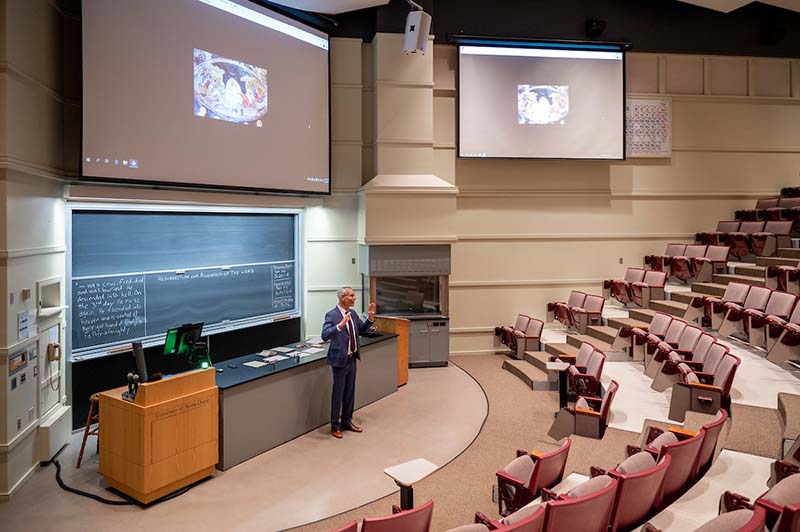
pixel 230 90
pixel 542 104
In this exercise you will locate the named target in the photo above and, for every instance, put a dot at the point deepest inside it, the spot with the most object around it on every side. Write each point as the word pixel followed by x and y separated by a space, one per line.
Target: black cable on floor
pixel 111 501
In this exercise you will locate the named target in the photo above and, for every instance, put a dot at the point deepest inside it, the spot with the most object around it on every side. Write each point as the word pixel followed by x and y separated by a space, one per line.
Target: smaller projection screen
pixel 541 100
pixel 213 93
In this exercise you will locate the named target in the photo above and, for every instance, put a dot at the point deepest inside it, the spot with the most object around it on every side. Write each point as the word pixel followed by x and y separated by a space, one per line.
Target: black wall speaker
pixel 595 28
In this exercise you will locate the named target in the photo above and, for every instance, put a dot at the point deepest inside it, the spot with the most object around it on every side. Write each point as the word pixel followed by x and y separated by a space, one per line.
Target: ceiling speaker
pixel 418 26
pixel 595 28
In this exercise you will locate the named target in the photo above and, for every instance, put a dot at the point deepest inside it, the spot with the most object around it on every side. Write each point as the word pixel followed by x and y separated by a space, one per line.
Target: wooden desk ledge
pixel 706 386
pixel 681 431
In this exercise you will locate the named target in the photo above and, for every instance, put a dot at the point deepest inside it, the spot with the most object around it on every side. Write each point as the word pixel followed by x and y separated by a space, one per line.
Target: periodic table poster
pixel 648 127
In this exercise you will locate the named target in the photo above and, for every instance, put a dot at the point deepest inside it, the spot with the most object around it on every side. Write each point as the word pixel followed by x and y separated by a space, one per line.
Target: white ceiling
pixel 726 6
pixel 330 7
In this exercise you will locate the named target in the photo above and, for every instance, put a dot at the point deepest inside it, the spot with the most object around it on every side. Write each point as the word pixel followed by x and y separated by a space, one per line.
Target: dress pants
pixel 344 393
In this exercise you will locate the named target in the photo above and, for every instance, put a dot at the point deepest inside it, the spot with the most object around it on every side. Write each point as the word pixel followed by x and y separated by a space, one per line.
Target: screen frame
pixel 211 186
pixel 545 44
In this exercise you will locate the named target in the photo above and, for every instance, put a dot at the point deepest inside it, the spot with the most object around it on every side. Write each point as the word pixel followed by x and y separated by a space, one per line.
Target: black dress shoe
pixel 352 428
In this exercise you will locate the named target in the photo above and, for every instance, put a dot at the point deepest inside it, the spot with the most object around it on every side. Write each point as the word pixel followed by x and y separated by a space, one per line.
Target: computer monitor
pixel 180 340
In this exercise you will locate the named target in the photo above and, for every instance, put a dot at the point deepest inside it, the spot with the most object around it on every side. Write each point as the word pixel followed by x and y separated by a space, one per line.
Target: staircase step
pixel 751 271
pixel 709 289
pixel 626 322
pixel 674 308
pixel 603 333
pixel 789 252
pixel 538 358
pixel 642 314
pixel 576 340
pixel 777 261
pixel 686 297
pixel 789 410
pixel 525 371
pixel 560 349
pixel 746 279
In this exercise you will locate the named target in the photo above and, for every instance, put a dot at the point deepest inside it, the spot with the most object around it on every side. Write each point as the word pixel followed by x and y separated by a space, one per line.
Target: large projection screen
pixel 541 102
pixel 209 93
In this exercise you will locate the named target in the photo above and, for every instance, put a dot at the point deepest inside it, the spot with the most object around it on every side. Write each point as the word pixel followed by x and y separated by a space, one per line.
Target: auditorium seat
pixel 589 313
pixel 715 261
pixel 776 234
pixel 667 374
pixel 659 262
pixel 682 467
pixel 757 298
pixel 740 241
pixel 559 310
pixel 527 339
pixel 785 278
pixel 640 480
pixel 785 339
pixel 657 328
pixel 671 336
pixel 680 266
pixel 415 520
pixel 589 417
pixel 506 334
pixel 788 465
pixel 620 289
pixel 649 289
pixel 581 359
pixel 781 504
pixel 759 212
pixel 525 520
pixel 523 478
pixel 701 391
pixel 720 236
pixel 350 527
pixel 743 520
pixel 684 347
pixel 712 309
pixel 587 381
pixel 779 307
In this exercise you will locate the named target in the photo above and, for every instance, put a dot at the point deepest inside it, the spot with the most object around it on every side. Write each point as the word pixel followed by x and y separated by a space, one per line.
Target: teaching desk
pixel 261 408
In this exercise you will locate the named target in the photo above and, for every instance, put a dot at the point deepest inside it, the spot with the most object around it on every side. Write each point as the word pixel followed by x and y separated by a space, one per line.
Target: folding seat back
pixel 620 289
pixel 788 203
pixel 736 293
pixel 782 501
pixel 789 521
pixel 723 376
pixel 608 400
pixel 522 479
pixel 778 227
pixel 702 347
pixel 588 382
pixel 549 468
pixel 691 335
pixel 522 322
pixel 767 203
pixel 739 241
pixel 742 520
pixel 674 331
pixel 594 368
pixel 776 235
pixel 657 262
pixel 757 298
pixel 534 328
pixel 749 228
pixel 684 457
pixel 717 253
pixel 639 490
pixel 576 299
pixel 593 304
pixel 634 275
pixel 728 226
pixel 706 453
pixel 674 250
pixel 695 250
pixel 415 520
pixel 681 266
pixel 713 357
pixel 651 288
pixel 723 228
pixel 780 304
pixel 660 324
pixel 586 508
pixel 584 354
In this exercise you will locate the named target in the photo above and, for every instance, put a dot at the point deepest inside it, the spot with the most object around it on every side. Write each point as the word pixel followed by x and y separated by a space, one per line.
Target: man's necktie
pixel 351 331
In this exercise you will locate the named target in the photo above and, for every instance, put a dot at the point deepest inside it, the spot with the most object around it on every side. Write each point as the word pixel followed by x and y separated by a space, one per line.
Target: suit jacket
pixel 337 351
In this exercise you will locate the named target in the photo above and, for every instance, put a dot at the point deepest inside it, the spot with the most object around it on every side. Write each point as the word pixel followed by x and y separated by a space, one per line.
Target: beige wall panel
pixel 718 173
pixel 71 139
pixel 487 307
pixel 391 158
pixel 345 61
pixel 34 40
pixel 346 113
pixel 445 66
pixel 329 264
pixel 795 79
pixel 334 219
pixel 321 301
pixel 444 121
pixel 600 216
pixel 368 115
pixel 20 462
pixel 444 164
pixel 35 213
pixel 367 66
pixel 346 165
pixel 23 273
pixel 4 216
pixel 735 126
pixel 404 113
pixel 4 119
pixel 409 217
pixel 368 163
pixel 772 77
pixel 3 329
pixel 728 76
pixel 641 73
pixel 505 174
pixel 512 262
pixel 684 74
pixel 392 65
pixel 37 121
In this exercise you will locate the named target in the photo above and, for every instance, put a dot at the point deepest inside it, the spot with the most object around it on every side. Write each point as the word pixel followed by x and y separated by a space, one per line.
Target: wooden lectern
pixel 166 439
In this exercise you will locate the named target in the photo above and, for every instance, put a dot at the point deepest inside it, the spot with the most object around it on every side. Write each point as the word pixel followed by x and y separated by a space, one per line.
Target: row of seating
pixel 785 278
pixel 692 262
pixel 759 238
pixel 524 335
pixel 579 311
pixel 783 208
pixel 639 287
pixel 765 318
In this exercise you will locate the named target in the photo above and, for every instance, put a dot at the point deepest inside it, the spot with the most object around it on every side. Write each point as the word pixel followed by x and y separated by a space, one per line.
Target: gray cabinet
pixel 428 341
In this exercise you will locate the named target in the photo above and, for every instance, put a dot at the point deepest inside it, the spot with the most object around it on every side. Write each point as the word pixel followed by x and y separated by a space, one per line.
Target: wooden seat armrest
pixel 481 519
pixel 568 358
pixel 514 481
pixel 681 433
pixel 536 455
pixel 587 412
pixel 709 387
pixel 591 399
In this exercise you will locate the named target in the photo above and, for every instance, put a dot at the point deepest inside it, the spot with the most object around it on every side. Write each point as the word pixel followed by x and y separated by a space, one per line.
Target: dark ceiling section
pixel 665 26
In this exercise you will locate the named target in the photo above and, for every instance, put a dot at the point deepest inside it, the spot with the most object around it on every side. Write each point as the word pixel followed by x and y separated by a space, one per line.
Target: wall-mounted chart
pixel 648 127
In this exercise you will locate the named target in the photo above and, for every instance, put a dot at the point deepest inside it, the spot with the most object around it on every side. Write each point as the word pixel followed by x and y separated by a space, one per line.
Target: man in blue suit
pixel 342 327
